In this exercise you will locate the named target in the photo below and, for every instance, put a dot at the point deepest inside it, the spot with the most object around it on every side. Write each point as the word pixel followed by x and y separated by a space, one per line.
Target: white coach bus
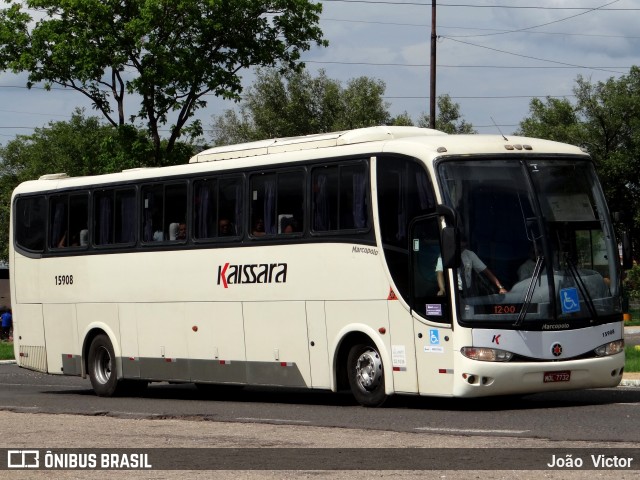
pixel 385 260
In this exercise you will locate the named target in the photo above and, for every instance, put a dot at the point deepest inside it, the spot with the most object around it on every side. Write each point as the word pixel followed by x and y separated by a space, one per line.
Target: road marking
pixel 17 407
pixel 467 430
pixel 281 420
pixel 41 385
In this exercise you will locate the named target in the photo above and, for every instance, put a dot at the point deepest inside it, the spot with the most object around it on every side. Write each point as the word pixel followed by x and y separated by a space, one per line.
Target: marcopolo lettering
pixel 229 274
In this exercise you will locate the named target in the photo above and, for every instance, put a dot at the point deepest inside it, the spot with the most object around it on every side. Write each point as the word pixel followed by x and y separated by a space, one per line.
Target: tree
pixel 168 53
pixel 81 146
pixel 556 120
pixel 605 119
pixel 449 119
pixel 295 103
pixel 402 120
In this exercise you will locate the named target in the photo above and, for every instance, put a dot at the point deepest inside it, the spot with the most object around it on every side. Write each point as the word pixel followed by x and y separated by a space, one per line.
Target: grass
pixel 632 358
pixel 6 351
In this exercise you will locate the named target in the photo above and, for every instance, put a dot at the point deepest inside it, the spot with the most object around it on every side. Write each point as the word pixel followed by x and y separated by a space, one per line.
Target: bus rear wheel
pixel 366 375
pixel 102 367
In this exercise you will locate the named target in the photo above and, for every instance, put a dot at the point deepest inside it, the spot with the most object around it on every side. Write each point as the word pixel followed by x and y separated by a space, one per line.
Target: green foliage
pixel 605 119
pixel 631 359
pixel 6 351
pixel 556 120
pixel 402 120
pixel 632 283
pixel 295 103
pixel 363 104
pixel 81 146
pixel 168 53
pixel 448 119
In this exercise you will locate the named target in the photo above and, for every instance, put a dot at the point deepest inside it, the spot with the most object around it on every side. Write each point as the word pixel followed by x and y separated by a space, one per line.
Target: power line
pixel 497 30
pixel 531 57
pixel 423 65
pixel 467 5
pixel 545 24
pixel 479 97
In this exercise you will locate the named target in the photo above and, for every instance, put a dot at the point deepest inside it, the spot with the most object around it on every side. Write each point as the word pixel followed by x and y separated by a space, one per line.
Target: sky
pixel 493 57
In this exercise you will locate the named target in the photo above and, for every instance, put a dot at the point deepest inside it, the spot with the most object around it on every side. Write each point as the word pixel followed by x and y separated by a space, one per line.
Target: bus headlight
pixel 610 348
pixel 486 354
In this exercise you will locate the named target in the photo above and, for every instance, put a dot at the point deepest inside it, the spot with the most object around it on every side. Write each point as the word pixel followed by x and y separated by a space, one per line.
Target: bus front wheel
pixel 102 367
pixel 366 375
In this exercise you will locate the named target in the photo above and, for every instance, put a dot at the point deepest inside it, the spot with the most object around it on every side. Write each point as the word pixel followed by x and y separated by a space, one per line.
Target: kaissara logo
pixel 229 274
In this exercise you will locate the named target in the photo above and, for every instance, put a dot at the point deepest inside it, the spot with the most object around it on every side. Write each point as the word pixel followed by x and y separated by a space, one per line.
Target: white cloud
pixel 364 35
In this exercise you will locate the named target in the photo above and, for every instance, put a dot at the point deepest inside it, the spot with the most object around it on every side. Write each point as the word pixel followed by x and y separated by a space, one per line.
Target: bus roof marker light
pixel 509 147
pixel 441 150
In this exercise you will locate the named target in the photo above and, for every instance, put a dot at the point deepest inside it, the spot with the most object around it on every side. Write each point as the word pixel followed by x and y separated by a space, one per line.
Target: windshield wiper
pixel 581 286
pixel 537 270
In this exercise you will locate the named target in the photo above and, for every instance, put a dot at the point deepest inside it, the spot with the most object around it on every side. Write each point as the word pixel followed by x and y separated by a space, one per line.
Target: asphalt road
pixel 613 414
pixel 46 411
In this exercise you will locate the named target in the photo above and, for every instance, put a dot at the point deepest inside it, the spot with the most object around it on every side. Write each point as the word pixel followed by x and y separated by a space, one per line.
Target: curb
pixel 629 383
pixel 7 362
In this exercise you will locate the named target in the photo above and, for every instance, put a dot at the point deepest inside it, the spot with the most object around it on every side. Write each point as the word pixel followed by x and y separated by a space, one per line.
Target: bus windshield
pixel 537 245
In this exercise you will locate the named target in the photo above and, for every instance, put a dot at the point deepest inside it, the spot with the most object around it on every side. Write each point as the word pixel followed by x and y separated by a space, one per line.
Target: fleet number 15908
pixel 63 279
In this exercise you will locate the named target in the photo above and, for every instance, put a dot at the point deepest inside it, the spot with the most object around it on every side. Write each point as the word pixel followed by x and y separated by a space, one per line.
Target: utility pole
pixel 432 93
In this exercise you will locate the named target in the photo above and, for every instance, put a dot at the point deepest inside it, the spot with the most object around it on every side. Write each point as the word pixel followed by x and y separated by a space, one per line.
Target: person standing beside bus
pixel 7 323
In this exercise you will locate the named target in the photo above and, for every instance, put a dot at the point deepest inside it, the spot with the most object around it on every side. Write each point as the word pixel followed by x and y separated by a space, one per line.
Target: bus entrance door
pixel 434 358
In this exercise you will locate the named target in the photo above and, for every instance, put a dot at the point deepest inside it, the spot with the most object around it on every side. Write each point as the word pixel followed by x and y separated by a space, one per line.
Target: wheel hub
pixel 103 366
pixel 368 371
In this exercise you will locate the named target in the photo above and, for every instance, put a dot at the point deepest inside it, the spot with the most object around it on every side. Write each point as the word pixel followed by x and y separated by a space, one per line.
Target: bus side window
pixel 263 201
pixel 277 203
pixel 340 197
pixel 114 216
pixel 290 205
pixel 162 207
pixel 217 208
pixel 230 206
pixel 69 217
pixel 175 212
pixel 58 222
pixel 30 223
pixel 152 211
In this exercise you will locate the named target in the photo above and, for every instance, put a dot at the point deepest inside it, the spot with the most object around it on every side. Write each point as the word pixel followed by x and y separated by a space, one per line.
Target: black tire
pixel 102 367
pixel 366 375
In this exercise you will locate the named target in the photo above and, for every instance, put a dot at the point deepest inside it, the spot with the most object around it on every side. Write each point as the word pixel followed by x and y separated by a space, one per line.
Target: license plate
pixel 550 377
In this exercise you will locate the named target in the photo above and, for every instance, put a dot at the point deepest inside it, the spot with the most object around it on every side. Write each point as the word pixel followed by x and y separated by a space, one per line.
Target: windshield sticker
pixel 571 207
pixel 569 300
pixel 434 309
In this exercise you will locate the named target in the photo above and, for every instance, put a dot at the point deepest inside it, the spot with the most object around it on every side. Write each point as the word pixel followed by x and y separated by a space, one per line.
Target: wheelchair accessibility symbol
pixel 569 300
pixel 434 337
